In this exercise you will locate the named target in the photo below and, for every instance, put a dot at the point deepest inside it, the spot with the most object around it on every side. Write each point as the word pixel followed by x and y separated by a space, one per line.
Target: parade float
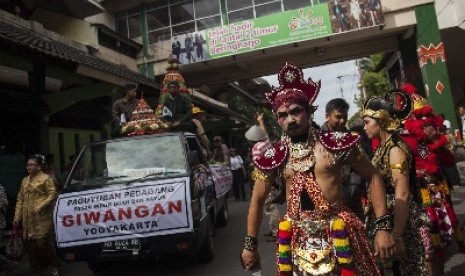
pixel 144 121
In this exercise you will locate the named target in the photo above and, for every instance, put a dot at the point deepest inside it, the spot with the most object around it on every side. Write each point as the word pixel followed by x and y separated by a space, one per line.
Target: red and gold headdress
pixel 293 88
pixel 389 110
pixel 422 114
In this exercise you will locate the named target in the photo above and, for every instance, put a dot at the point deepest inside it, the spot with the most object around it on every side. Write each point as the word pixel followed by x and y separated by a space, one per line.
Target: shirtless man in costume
pixel 319 234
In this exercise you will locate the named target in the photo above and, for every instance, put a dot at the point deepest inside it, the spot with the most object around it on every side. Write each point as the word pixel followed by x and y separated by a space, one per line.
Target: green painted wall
pixel 433 66
pixel 69 135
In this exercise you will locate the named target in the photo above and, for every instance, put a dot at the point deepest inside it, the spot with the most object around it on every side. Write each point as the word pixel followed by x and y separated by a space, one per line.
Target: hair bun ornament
pixel 293 85
pixel 40 158
pixel 401 102
pixel 368 100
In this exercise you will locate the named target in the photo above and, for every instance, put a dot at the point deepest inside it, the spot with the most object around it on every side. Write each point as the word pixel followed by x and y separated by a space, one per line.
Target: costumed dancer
pixel 432 190
pixel 319 234
pixel 395 163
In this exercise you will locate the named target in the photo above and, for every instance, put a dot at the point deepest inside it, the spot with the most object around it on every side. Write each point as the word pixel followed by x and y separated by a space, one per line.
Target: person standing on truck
pixel 198 116
pixel 34 210
pixel 239 174
pixel 221 151
pixel 122 108
pixel 177 109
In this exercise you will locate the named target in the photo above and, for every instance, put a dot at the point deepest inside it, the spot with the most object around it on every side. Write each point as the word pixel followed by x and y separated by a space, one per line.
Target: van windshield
pixel 123 161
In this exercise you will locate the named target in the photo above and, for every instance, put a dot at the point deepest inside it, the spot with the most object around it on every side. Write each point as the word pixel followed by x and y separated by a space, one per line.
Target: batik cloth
pixel 330 232
pixel 417 246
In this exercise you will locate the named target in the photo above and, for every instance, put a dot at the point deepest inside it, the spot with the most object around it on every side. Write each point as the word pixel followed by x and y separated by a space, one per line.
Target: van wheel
pixel 222 217
pixel 96 266
pixel 206 253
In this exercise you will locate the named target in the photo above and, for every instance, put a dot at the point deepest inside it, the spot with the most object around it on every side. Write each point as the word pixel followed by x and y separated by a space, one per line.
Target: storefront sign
pixel 123 212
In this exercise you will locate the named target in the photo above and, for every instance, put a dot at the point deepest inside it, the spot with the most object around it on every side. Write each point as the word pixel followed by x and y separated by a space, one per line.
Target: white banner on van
pixel 223 178
pixel 138 210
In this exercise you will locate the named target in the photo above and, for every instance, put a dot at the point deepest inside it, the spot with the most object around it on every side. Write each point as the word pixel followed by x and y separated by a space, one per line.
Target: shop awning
pixel 88 64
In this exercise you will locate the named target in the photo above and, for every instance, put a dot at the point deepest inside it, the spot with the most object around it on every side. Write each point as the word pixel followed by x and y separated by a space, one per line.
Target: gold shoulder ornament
pixel 402 166
pixel 261 175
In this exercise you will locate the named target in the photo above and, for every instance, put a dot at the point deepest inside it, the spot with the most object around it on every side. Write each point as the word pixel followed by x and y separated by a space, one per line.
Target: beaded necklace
pixel 301 155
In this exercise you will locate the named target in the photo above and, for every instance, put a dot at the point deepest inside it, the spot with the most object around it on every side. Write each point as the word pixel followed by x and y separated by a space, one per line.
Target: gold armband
pixel 402 167
pixel 260 175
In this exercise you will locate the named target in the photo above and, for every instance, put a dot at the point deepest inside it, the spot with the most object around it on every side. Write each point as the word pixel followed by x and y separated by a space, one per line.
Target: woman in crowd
pixel 394 161
pixel 34 209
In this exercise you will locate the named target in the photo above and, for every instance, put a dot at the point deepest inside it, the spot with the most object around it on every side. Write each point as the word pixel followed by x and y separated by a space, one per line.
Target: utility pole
pixel 340 82
pixel 340 86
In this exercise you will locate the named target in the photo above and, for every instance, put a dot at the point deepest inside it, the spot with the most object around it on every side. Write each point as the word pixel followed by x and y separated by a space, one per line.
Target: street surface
pixel 228 245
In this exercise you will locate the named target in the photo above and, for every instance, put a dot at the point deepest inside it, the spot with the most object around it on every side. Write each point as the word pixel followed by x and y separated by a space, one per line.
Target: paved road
pixel 455 264
pixel 228 244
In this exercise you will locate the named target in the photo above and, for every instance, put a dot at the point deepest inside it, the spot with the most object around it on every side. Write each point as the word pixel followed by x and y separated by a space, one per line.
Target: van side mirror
pixel 193 158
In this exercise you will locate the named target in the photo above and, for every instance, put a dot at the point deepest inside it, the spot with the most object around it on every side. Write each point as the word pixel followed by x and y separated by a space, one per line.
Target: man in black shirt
pixel 178 109
pixel 123 108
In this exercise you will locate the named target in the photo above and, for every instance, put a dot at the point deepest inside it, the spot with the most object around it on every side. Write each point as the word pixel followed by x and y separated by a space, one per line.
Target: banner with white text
pixel 277 29
pixel 223 178
pixel 138 210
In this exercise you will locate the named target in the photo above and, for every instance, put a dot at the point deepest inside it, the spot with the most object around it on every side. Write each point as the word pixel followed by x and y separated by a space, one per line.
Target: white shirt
pixel 446 123
pixel 236 162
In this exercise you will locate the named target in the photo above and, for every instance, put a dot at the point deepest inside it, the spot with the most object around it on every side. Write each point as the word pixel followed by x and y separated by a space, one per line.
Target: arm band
pixel 250 243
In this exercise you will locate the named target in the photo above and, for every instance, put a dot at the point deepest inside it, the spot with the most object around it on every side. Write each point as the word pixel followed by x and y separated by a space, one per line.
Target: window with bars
pixel 167 18
pixel 295 4
pixel 180 17
pixel 267 8
pixel 128 23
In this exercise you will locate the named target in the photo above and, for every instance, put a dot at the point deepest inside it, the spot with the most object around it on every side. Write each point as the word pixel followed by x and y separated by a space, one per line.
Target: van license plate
pixel 131 244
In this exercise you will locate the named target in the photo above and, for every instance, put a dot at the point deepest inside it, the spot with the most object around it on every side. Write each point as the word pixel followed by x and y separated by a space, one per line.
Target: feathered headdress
pixel 422 114
pixel 293 88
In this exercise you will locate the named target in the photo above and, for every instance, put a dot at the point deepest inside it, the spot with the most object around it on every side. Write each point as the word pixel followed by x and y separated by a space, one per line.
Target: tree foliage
pixel 373 83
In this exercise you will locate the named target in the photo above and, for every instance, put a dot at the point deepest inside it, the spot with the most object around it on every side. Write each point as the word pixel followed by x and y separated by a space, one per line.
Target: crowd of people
pixel 370 200
pixel 373 198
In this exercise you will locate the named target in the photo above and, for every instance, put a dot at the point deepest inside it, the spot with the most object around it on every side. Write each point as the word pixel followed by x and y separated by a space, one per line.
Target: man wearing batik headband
pixel 318 234
pixel 432 189
pixel 394 161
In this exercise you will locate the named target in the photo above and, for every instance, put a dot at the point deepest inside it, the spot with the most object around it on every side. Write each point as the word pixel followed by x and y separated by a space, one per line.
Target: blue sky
pixel 331 85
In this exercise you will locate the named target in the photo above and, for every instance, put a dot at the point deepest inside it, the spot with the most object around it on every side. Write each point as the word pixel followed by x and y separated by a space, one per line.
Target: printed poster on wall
pixel 138 210
pixel 277 29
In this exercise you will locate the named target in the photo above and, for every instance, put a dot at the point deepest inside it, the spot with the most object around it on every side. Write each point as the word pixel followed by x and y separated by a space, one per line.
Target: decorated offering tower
pixel 172 74
pixel 144 121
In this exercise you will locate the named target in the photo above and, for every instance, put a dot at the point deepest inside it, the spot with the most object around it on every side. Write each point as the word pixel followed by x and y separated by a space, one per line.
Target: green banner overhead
pixel 277 29
pixel 269 31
